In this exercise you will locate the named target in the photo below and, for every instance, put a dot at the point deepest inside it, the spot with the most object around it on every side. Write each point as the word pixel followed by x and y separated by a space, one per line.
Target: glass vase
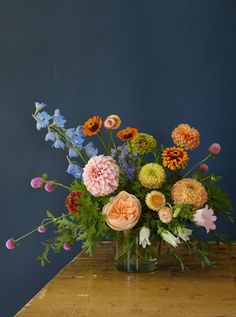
pixel 130 256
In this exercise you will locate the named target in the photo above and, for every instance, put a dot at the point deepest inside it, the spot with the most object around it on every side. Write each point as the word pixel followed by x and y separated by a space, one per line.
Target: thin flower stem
pixel 117 155
pixel 196 165
pixel 102 142
pixel 67 140
pixel 205 178
pixel 132 156
pixel 60 185
pixel 32 231
pixel 110 141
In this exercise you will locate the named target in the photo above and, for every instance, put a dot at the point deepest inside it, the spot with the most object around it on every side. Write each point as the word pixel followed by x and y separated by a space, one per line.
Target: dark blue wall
pixel 155 63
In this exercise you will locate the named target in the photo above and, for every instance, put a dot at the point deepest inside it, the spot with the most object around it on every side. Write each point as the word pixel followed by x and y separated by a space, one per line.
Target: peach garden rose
pixel 122 211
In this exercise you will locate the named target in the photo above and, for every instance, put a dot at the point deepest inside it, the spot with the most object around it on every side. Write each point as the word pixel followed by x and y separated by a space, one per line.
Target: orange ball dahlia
pixel 185 136
pixel 174 158
pixel 189 191
pixel 92 126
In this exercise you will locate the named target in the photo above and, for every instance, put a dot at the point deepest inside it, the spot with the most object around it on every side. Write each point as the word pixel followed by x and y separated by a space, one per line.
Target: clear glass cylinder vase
pixel 130 256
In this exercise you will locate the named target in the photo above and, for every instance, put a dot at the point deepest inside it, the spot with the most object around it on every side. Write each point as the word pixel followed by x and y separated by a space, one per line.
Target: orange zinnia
pixel 127 134
pixel 174 158
pixel 92 125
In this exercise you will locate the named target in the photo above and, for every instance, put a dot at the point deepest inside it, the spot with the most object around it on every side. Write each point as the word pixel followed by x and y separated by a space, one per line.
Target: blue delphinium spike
pixel 51 136
pixel 74 170
pixel 42 119
pixel 72 153
pixel 58 144
pixel 90 150
pixel 39 106
pixel 58 119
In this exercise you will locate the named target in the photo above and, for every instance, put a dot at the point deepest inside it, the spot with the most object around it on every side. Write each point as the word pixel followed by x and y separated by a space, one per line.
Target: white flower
pixel 205 217
pixel 184 233
pixel 144 235
pixel 170 238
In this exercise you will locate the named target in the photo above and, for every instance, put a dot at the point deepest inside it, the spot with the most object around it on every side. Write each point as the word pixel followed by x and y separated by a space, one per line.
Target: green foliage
pixel 91 224
pixel 219 201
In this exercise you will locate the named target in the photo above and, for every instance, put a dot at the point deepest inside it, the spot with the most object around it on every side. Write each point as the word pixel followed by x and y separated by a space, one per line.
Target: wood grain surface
pixel 89 287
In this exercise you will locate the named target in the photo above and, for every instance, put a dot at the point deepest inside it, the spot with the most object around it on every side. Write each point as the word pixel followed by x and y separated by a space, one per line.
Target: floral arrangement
pixel 137 184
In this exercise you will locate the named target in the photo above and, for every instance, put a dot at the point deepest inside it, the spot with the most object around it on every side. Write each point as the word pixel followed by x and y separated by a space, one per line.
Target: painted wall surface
pixel 155 63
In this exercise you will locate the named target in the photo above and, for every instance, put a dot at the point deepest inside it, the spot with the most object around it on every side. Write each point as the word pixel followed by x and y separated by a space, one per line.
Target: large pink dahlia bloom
pixel 101 175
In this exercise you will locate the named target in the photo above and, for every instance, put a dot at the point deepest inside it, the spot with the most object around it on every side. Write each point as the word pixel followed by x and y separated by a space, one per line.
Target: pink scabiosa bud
pixel 215 148
pixel 10 244
pixel 42 229
pixel 203 168
pixel 37 182
pixel 67 246
pixel 49 187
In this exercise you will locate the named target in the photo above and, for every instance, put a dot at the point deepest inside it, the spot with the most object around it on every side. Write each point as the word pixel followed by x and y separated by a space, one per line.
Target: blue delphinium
pixel 59 144
pixel 39 106
pixel 52 136
pixel 58 119
pixel 124 157
pixel 74 170
pixel 42 119
pixel 76 136
pixel 129 169
pixel 72 152
pixel 90 150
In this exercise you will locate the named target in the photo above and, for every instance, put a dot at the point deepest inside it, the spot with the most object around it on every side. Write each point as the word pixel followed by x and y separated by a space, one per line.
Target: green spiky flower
pixel 143 143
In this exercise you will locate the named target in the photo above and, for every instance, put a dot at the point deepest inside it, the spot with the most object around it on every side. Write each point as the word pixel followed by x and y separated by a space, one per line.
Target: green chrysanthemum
pixel 152 175
pixel 143 143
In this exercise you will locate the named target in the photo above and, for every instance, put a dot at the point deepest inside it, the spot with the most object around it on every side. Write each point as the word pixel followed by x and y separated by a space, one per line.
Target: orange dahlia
pixel 92 126
pixel 127 134
pixel 189 191
pixel 174 158
pixel 185 136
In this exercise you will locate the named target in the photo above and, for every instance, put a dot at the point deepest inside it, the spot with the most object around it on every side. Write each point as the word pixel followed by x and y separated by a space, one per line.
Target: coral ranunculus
pixel 185 136
pixel 174 158
pixel 92 126
pixel 122 211
pixel 189 191
pixel 101 175
pixel 127 134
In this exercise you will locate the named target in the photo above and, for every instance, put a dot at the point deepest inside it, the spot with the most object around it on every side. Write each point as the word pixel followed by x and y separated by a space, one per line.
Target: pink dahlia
pixel 101 175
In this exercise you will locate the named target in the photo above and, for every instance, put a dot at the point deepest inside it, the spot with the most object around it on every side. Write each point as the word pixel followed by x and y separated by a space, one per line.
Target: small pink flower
pixel 37 182
pixel 203 168
pixel 10 244
pixel 205 218
pixel 215 148
pixel 42 229
pixel 112 122
pixel 49 187
pixel 67 246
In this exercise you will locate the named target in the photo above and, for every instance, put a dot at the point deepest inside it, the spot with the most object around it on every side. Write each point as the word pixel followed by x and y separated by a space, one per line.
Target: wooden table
pixel 92 287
